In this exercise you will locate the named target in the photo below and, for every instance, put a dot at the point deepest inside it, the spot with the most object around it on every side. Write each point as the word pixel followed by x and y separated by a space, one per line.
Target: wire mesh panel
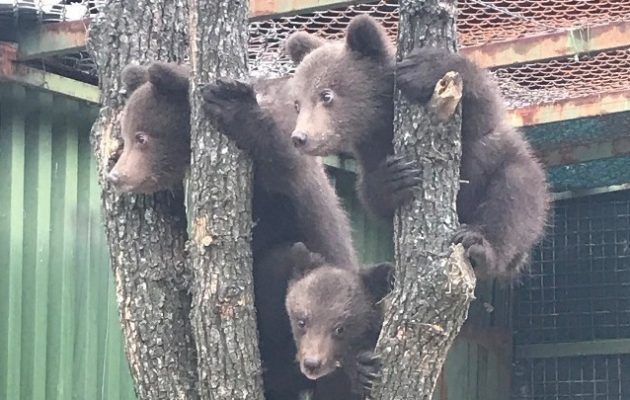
pixel 479 22
pixel 574 378
pixel 579 285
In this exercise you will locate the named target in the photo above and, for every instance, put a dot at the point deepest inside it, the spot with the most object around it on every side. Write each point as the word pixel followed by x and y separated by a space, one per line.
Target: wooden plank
pixel 589 192
pixel 564 43
pixel 263 9
pixel 564 110
pixel 552 350
pixel 573 153
pixel 46 40
pixel 53 83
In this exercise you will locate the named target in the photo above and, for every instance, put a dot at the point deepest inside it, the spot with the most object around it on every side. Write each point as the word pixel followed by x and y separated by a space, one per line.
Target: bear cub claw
pixel 398 175
pixel 478 249
pixel 368 370
pixel 224 98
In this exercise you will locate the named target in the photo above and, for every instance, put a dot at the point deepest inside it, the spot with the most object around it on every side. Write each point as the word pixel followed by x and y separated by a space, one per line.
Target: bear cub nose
pixel 113 177
pixel 312 364
pixel 298 138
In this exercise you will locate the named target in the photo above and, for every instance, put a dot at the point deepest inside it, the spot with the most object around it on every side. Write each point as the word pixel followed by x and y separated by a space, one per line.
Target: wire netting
pixel 573 378
pixel 567 78
pixel 579 285
pixel 479 22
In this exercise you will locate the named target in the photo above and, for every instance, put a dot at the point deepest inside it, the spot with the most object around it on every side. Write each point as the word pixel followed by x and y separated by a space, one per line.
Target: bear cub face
pixel 335 314
pixel 155 129
pixel 334 85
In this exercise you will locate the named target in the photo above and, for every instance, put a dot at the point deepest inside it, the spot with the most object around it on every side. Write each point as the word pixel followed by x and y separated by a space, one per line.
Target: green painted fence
pixel 59 330
pixel 59 333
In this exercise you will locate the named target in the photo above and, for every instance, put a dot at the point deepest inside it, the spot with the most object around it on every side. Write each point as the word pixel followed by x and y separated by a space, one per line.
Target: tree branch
pixel 434 281
pixel 150 276
pixel 223 315
pixel 446 97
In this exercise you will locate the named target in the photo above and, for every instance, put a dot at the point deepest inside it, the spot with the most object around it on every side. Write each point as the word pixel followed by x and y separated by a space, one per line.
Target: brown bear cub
pixel 293 198
pixel 343 92
pixel 336 318
pixel 256 121
pixel 155 129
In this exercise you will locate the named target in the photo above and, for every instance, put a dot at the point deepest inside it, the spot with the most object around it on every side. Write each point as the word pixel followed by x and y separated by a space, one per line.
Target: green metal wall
pixel 59 331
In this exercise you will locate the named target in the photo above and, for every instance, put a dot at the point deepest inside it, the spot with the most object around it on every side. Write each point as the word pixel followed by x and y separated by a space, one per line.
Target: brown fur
pixel 336 318
pixel 503 207
pixel 256 119
pixel 158 113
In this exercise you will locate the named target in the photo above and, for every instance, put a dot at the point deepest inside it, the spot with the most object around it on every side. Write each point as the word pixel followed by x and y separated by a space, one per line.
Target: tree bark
pixel 434 281
pixel 146 234
pixel 223 315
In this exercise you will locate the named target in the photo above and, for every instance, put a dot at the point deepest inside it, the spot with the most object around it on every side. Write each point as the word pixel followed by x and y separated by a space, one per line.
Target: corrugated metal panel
pixel 59 329
pixel 372 236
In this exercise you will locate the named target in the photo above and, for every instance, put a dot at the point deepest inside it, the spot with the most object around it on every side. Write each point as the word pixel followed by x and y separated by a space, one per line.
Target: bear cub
pixel 343 95
pixel 336 318
pixel 155 129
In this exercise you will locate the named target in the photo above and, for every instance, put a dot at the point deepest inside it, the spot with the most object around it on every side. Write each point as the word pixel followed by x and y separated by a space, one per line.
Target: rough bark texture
pixel 434 283
pixel 146 234
pixel 223 315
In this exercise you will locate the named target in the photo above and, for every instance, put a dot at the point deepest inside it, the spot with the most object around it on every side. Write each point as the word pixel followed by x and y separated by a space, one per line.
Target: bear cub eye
pixel 339 331
pixel 297 106
pixel 141 138
pixel 301 323
pixel 327 96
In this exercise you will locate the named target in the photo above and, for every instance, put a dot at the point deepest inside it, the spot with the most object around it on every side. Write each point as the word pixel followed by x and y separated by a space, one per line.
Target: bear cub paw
pixel 225 98
pixel 478 250
pixel 368 366
pixel 398 176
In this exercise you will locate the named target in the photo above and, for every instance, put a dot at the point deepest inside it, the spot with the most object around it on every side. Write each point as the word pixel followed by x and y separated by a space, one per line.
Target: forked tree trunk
pixel 434 283
pixel 146 234
pixel 223 315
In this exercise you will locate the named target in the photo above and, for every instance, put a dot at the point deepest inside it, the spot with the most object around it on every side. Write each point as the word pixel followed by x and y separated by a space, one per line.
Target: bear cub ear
pixel 367 37
pixel 303 260
pixel 378 280
pixel 169 77
pixel 133 76
pixel 299 44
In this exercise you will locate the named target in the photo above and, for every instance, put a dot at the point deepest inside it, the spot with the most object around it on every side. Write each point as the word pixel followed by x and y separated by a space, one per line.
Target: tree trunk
pixel 223 315
pixel 146 234
pixel 434 282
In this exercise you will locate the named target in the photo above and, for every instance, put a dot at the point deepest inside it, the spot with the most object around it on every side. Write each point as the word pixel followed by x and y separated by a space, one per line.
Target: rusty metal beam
pixel 552 350
pixel 574 153
pixel 552 45
pixel 588 106
pixel 260 9
pixel 46 40
pixel 574 194
pixel 11 70
pixel 43 40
